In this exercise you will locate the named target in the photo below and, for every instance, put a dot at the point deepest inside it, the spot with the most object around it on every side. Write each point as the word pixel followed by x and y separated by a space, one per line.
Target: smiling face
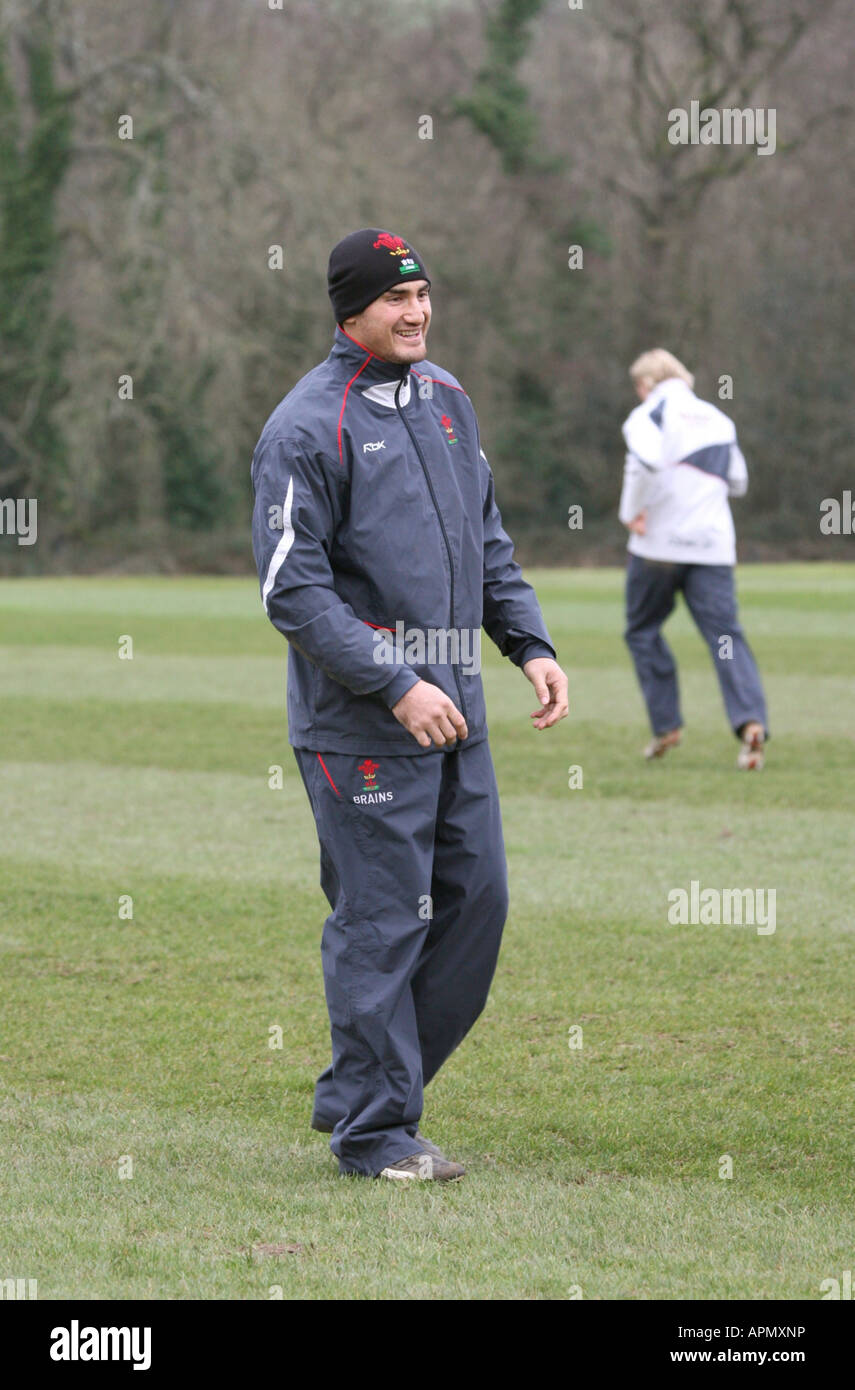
pixel 394 327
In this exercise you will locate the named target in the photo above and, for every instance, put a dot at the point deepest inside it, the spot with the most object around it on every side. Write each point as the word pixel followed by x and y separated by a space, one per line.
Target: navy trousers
pixel 413 867
pixel 651 590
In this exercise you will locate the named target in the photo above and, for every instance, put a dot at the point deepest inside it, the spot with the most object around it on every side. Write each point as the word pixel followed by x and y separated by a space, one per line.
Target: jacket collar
pixel 672 385
pixel 352 355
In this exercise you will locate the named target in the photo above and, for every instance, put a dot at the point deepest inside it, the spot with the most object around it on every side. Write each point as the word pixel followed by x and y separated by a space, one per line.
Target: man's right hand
pixel 427 713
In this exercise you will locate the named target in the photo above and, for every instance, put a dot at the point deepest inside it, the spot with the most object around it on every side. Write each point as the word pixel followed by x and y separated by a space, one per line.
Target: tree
pixel 499 103
pixel 33 338
pixel 723 53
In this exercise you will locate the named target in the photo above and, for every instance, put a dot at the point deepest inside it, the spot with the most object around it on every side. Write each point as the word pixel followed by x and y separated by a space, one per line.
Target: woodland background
pixel 256 127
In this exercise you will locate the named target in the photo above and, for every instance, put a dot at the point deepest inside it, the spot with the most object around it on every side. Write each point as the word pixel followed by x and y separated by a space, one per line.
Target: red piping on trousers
pixel 329 779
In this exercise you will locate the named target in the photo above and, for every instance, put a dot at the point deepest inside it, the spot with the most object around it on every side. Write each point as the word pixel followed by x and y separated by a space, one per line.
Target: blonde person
pixel 683 463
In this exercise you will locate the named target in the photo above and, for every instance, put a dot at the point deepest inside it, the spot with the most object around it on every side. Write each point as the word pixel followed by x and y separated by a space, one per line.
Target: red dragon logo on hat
pixel 395 245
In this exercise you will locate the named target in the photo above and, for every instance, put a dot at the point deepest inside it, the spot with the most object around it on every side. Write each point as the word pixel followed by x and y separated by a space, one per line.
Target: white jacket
pixel 682 464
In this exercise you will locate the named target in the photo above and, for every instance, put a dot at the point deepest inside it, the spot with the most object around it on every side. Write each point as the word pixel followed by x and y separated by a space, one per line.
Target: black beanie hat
pixel 365 264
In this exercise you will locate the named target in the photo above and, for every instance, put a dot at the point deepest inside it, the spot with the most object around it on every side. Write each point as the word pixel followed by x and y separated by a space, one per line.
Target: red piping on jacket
pixel 371 355
pixel 436 379
pixel 341 458
pixel 354 340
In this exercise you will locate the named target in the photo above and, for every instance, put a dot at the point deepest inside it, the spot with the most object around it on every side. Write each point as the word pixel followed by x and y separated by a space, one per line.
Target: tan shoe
pixel 658 747
pixel 424 1166
pixel 750 757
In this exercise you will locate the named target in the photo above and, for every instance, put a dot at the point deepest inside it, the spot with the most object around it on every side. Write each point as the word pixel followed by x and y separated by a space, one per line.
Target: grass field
pixel 592 1169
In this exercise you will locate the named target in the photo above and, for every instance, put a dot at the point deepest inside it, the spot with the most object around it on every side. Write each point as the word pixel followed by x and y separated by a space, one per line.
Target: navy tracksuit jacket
pixel 375 515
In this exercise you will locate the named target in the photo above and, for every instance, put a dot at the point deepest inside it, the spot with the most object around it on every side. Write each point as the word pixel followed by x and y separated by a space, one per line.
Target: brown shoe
pixel 658 747
pixel 425 1167
pixel 750 757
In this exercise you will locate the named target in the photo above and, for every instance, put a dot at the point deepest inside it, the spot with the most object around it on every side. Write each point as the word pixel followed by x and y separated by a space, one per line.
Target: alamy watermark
pixel 838 1288
pixel 76 1343
pixel 755 125
pixel 431 646
pixel 19 516
pixel 712 907
pixel 837 515
pixel 19 1288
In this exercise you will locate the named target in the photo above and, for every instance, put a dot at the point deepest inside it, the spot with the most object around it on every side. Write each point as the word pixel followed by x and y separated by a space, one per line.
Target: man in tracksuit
pixel 380 553
pixel 682 464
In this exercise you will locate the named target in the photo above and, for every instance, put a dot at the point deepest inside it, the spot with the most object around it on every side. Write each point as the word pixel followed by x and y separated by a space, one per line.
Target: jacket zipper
pixel 429 482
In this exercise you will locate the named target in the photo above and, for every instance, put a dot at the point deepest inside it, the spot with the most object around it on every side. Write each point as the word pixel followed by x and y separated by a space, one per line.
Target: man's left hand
pixel 550 682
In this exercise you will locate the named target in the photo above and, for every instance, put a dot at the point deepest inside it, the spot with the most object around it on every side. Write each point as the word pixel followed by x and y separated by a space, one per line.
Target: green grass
pixel 596 1168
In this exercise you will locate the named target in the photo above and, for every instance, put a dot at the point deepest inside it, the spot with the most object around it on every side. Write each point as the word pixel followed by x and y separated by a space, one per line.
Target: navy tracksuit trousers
pixel 413 866
pixel 710 594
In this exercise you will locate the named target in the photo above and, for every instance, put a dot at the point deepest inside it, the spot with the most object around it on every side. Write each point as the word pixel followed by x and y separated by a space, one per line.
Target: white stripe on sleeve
pixel 282 548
